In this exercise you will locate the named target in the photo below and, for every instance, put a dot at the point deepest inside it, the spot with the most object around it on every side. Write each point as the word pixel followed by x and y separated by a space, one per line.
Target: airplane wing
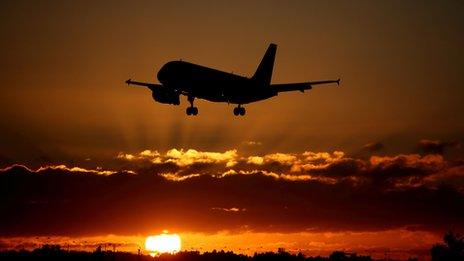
pixel 151 86
pixel 301 86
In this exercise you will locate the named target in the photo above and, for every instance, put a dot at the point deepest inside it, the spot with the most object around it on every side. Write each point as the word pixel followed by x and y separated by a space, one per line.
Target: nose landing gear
pixel 191 110
pixel 239 111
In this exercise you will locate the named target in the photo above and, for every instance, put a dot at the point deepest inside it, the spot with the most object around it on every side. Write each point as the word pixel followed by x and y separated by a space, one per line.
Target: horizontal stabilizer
pixel 150 86
pixel 287 87
pixel 302 86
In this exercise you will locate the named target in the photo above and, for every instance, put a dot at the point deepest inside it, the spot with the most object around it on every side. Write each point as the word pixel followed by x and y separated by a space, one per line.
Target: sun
pixel 163 243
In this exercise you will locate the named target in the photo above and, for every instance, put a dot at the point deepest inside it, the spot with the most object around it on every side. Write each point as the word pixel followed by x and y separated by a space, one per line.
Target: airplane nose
pixel 162 74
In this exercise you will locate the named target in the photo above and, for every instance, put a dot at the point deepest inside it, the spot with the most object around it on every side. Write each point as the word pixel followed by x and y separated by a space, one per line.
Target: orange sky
pixel 359 158
pixel 64 66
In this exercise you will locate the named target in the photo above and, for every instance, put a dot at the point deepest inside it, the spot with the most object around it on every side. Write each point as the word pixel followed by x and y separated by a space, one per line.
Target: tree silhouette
pixel 452 250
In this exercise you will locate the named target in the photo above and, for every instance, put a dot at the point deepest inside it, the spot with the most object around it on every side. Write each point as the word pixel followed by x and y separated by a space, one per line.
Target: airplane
pixel 196 81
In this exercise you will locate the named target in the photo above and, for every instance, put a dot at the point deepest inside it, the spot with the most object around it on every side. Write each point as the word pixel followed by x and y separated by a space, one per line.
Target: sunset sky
pixel 375 164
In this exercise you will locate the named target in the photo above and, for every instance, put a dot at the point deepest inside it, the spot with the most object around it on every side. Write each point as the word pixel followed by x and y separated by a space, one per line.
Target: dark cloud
pixel 373 146
pixel 215 191
pixel 436 146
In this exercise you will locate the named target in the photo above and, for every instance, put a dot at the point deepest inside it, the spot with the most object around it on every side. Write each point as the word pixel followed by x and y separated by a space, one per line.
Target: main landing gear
pixel 191 110
pixel 239 111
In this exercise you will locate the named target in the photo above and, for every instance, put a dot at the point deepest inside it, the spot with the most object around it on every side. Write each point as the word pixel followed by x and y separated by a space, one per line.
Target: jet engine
pixel 167 96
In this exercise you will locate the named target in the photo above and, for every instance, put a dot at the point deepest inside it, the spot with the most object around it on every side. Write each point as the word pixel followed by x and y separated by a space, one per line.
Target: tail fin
pixel 263 73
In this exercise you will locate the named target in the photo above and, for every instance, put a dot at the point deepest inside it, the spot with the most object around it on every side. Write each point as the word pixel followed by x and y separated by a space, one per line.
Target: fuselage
pixel 212 85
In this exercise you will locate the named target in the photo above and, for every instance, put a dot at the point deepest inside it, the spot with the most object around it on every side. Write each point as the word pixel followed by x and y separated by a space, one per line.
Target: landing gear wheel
pixel 192 111
pixel 239 111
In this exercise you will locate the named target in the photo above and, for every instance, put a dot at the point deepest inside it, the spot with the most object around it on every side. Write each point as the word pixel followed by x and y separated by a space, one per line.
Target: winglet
pixel 338 82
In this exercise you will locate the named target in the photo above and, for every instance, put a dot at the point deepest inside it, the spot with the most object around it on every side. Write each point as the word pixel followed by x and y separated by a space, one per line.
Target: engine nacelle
pixel 165 96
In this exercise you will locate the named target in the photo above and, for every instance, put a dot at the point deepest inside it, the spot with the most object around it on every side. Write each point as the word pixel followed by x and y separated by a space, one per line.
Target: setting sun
pixel 164 243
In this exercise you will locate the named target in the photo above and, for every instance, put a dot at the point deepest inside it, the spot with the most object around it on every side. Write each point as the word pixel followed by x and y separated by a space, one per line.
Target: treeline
pixel 54 252
pixel 280 255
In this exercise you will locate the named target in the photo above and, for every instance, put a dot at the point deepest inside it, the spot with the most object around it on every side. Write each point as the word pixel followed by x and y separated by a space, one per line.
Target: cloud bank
pixel 207 192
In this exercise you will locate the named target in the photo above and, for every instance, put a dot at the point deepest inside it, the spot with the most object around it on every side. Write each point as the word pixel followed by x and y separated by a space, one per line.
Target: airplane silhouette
pixel 196 81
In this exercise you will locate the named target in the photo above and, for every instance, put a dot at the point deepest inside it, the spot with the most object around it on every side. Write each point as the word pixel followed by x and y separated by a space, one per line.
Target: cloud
pixel 257 160
pixel 148 155
pixel 282 158
pixel 64 168
pixel 430 162
pixel 232 209
pixel 176 177
pixel 191 156
pixel 452 176
pixel 182 157
pixel 252 143
pixel 327 167
pixel 191 190
pixel 436 146
pixel 373 146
